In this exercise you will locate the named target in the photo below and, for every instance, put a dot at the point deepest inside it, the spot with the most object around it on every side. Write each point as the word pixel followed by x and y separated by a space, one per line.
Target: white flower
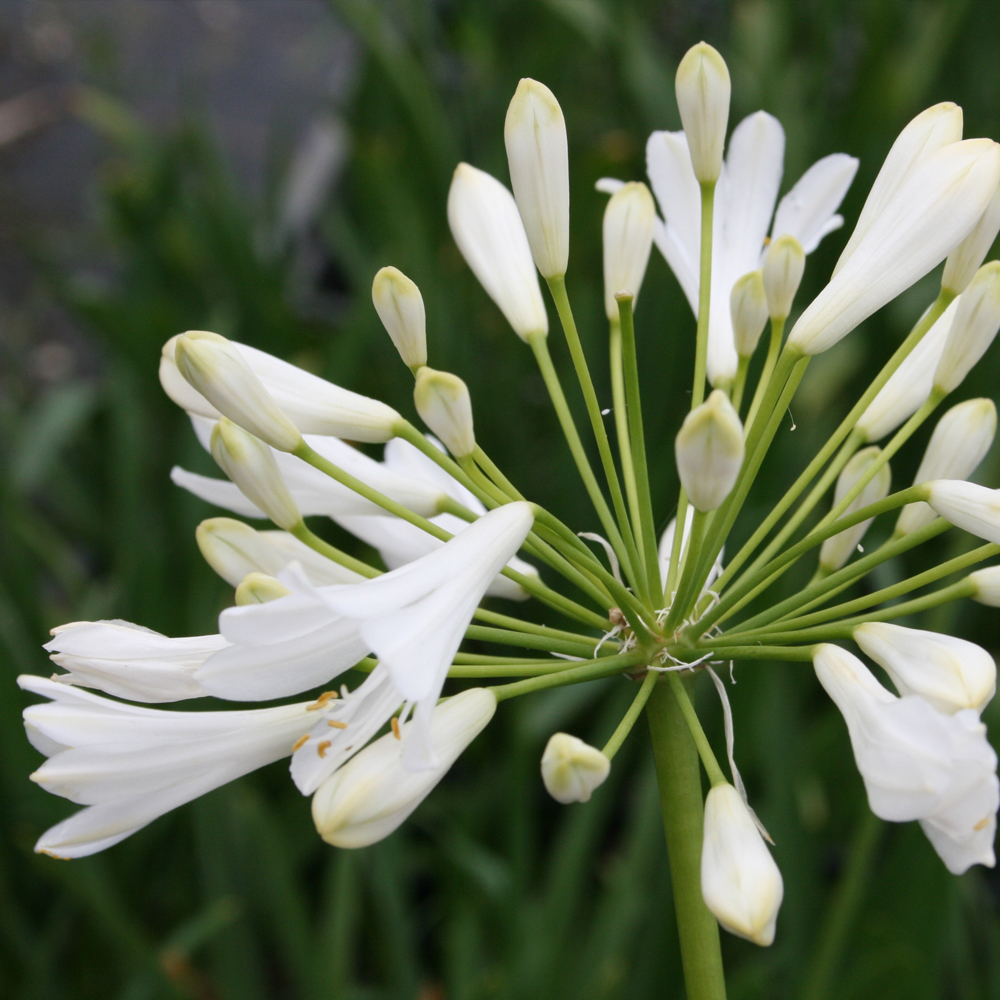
pixel 917 762
pixel 744 203
pixel 129 661
pixel 709 451
pixel 370 796
pixel 130 765
pixel 572 769
pixel 784 264
pixel 234 549
pixel 959 443
pixel 910 384
pixel 259 588
pixel 930 214
pixel 400 306
pixel 312 404
pixel 836 550
pixel 740 882
pixel 443 402
pixel 313 491
pixel 703 88
pixel 950 673
pixel 976 323
pixel 974 508
pixel 987 584
pixel 537 155
pixel 489 232
pixel 931 130
pixel 399 542
pixel 965 259
pixel 748 312
pixel 627 238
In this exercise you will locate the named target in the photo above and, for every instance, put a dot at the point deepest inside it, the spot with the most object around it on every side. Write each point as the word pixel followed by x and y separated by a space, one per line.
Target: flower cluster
pixel 448 524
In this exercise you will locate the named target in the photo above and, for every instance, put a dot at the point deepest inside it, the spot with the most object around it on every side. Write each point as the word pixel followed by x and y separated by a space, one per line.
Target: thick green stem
pixel 704 294
pixel 679 777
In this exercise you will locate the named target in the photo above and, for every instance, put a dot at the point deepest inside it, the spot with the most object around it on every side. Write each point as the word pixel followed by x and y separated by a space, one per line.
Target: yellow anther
pixel 323 747
pixel 322 700
pixel 395 728
pixel 302 740
pixel 335 724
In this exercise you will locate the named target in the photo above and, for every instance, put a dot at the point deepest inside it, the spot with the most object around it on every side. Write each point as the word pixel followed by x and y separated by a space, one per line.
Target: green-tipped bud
pixel 400 306
pixel 838 549
pixel 572 769
pixel 748 308
pixel 703 89
pixel 213 366
pixel 250 463
pixel 709 450
pixel 973 329
pixel 443 402
pixel 259 588
pixel 784 263
pixel 628 237
pixel 964 260
pixel 537 154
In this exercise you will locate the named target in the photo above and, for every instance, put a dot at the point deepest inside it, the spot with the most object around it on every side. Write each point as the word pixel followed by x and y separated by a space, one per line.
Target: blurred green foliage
pixel 491 890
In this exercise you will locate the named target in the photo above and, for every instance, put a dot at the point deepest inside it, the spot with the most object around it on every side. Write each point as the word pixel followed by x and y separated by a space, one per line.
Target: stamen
pixel 395 728
pixel 300 742
pixel 982 824
pixel 321 701
pixel 336 723
pixel 323 747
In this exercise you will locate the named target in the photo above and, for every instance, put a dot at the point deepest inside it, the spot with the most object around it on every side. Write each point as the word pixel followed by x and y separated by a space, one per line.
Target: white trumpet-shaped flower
pixel 489 232
pixel 627 239
pixel 974 508
pixel 443 402
pixel 312 404
pixel 371 796
pixel 740 882
pixel 703 90
pixel 916 762
pixel 400 306
pixel 748 312
pixel 987 586
pixel 836 550
pixel 709 451
pixel 974 328
pixel 949 672
pixel 966 258
pixel 572 769
pixel 959 443
pixel 784 265
pixel 744 204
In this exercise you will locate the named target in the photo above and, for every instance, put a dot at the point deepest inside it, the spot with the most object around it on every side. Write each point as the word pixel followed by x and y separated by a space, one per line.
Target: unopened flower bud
pixel 973 508
pixel 950 673
pixel 443 402
pixel 572 769
pixel 628 237
pixel 838 549
pixel 214 367
pixel 703 88
pixel 987 584
pixel 489 232
pixel 957 446
pixel 259 588
pixel 910 384
pixel 373 794
pixel 250 463
pixel 975 325
pixel 709 451
pixel 748 308
pixel 535 135
pixel 784 264
pixel 740 882
pixel 965 259
pixel 400 306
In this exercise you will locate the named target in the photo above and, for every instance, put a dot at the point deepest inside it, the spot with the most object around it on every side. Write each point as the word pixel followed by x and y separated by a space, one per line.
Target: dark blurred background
pixel 246 167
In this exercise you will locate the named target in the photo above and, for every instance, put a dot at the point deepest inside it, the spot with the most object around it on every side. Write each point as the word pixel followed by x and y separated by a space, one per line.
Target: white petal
pixel 218 492
pixel 807 212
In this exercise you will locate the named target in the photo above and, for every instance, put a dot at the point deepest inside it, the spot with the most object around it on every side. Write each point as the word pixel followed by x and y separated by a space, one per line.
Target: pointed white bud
pixel 975 509
pixel 373 794
pixel 950 673
pixel 703 89
pixel 250 464
pixel 628 237
pixel 234 549
pixel 931 213
pixel 837 550
pixel 974 328
pixel 957 446
pixel 259 588
pixel 215 368
pixel 910 384
pixel 748 308
pixel 987 583
pixel 709 451
pixel 443 402
pixel 965 259
pixel 784 263
pixel 932 129
pixel 740 882
pixel 535 135
pixel 489 232
pixel 572 769
pixel 400 306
